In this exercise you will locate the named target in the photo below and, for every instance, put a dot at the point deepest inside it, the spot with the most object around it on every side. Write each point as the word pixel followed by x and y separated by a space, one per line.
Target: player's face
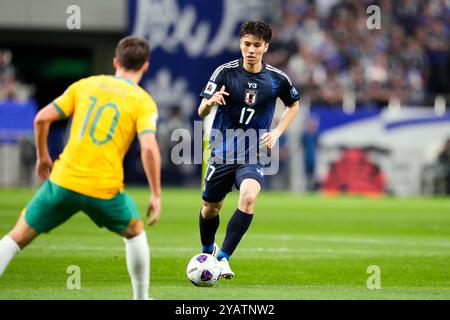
pixel 253 49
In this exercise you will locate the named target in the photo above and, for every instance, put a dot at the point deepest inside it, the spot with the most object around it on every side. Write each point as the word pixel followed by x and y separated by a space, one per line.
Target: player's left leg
pixel 137 254
pixel 239 222
pixel 241 218
pixel 120 215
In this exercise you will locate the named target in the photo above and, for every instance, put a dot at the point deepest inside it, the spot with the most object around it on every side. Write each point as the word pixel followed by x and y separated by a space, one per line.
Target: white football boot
pixel 225 270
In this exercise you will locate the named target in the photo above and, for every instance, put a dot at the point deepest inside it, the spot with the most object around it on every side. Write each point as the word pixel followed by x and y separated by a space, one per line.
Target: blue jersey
pixel 249 107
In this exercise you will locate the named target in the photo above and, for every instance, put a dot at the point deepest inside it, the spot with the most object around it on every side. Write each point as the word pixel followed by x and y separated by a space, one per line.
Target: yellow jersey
pixel 107 112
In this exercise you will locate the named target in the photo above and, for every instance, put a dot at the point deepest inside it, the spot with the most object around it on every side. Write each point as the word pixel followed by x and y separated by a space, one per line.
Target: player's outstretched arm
pixel 270 138
pixel 207 104
pixel 42 123
pixel 151 162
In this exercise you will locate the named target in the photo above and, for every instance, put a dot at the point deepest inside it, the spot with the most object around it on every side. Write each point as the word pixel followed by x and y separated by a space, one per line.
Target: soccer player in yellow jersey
pixel 107 112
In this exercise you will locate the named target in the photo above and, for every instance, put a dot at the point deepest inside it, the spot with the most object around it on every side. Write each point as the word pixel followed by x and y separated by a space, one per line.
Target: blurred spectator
pixel 331 94
pixel 282 179
pixel 10 87
pixel 310 140
pixel 280 51
pixel 444 161
pixel 310 34
pixel 306 71
pixel 172 174
pixel 437 43
pixel 406 12
pixel 27 161
pixel 5 63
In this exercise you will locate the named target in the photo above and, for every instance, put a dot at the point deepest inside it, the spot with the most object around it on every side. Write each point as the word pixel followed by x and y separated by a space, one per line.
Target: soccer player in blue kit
pixel 245 91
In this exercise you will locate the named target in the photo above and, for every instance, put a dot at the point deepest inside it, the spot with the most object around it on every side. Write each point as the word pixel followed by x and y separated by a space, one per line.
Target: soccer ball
pixel 203 270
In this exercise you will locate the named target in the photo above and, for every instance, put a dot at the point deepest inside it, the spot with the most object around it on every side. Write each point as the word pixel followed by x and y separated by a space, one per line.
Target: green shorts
pixel 52 205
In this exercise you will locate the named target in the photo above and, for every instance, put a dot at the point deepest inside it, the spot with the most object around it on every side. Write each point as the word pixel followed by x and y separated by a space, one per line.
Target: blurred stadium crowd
pixel 330 54
pixel 328 50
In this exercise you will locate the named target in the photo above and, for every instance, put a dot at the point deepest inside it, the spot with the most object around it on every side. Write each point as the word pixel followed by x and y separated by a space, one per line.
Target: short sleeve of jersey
pixel 214 84
pixel 288 93
pixel 65 104
pixel 147 117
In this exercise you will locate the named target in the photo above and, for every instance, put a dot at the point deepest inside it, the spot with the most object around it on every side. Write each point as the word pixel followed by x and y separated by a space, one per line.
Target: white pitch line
pixel 278 250
pixel 358 239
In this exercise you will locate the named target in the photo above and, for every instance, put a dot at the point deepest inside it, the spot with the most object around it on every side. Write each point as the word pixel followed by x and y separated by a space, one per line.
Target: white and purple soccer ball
pixel 203 270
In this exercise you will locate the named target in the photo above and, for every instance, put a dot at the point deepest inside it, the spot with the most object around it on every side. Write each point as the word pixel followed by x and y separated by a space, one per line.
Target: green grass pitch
pixel 298 247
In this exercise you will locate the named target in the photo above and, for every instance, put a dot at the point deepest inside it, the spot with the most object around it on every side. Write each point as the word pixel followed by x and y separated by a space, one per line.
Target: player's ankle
pixel 223 255
pixel 208 249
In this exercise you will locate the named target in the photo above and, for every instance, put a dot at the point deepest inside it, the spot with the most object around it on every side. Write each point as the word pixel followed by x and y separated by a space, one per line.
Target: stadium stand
pixel 17 111
pixel 327 49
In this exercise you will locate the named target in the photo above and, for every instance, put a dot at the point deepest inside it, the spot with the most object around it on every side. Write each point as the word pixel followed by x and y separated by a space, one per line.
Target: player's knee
pixel 248 201
pixel 20 239
pixel 134 229
pixel 210 210
pixel 22 235
pixel 138 227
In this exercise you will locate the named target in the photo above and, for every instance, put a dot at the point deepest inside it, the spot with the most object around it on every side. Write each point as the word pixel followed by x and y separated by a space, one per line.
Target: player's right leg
pixel 208 224
pixel 51 206
pixel 19 237
pixel 219 179
pixel 22 233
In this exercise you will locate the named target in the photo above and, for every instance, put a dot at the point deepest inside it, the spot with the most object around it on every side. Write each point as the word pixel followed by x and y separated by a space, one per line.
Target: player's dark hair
pixel 132 52
pixel 257 28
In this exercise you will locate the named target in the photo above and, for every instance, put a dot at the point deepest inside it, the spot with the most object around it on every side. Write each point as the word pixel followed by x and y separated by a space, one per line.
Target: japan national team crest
pixel 250 97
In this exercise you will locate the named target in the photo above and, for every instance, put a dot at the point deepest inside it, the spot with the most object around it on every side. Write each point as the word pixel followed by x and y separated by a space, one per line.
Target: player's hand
pixel 218 97
pixel 44 167
pixel 154 206
pixel 269 139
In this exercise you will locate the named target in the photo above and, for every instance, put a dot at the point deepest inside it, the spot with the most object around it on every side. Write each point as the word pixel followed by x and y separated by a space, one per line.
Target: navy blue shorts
pixel 220 178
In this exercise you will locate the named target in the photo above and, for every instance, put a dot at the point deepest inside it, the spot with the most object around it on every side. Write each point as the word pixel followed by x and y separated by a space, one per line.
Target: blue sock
pixel 223 254
pixel 208 249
